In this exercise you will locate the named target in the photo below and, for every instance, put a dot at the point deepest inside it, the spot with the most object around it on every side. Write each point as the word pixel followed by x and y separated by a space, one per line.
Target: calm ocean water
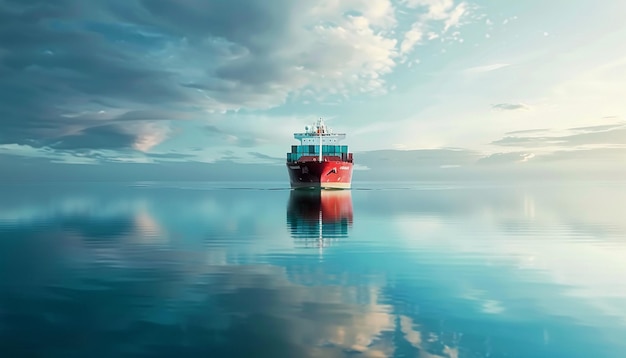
pixel 256 270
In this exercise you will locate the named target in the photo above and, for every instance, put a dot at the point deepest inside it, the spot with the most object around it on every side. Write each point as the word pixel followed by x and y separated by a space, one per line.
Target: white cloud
pixel 411 38
pixel 23 150
pixel 436 11
pixel 455 16
pixel 507 20
pixel 149 135
pixel 54 157
pixel 510 107
pixel 486 68
pixel 356 57
pixel 379 13
pixel 432 35
pixel 334 48
pixel 194 63
pixel 526 157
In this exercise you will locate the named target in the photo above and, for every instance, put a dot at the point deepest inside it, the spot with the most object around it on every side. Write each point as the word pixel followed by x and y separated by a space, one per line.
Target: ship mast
pixel 320 130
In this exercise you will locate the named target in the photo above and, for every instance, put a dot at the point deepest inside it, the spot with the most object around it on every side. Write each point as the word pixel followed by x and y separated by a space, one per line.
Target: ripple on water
pixel 437 269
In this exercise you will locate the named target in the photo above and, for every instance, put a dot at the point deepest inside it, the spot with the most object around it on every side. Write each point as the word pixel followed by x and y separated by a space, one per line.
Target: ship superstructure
pixel 320 161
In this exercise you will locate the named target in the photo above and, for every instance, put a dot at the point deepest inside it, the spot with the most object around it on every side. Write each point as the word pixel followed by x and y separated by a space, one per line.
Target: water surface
pixel 256 270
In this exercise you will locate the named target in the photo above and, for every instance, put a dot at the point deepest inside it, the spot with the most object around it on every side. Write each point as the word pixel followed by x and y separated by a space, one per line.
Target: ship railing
pixel 319 134
pixel 326 149
pixel 294 157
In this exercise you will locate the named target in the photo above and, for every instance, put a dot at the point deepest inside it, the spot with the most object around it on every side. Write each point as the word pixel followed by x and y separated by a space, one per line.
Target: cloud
pixel 409 159
pixel 510 107
pixel 70 69
pixel 436 11
pixel 505 158
pixel 104 137
pixel 455 16
pixel 581 159
pixel 528 131
pixel 212 129
pixel 64 82
pixel 486 68
pixel 603 135
pixel 148 135
pixel 615 136
pixel 432 35
pixel 603 127
pixel 266 157
pixel 390 165
pixel 99 74
pixel 333 320
pixel 590 157
pixel 411 38
pixel 139 136
pixel 281 47
pixel 527 141
pixel 249 130
pixel 170 155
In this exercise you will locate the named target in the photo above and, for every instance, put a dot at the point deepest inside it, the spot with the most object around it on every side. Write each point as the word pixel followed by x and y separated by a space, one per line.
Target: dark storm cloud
pixel 254 44
pixel 68 65
pixel 104 137
pixel 53 65
pixel 61 57
pixel 232 20
pixel 149 115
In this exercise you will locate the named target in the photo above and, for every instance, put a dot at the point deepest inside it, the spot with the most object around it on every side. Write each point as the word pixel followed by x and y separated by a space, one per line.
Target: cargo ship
pixel 320 161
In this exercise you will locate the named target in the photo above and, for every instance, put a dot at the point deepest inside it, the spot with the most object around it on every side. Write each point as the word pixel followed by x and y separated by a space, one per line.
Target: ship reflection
pixel 319 218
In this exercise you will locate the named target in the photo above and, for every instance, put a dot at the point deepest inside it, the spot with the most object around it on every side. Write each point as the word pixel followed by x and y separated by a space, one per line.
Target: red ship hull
pixel 327 174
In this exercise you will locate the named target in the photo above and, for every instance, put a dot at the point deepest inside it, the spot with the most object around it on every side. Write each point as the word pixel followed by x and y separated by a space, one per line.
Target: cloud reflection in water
pixel 165 271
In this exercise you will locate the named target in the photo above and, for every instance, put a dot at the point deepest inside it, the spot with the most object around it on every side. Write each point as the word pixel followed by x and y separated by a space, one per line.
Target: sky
pixel 193 86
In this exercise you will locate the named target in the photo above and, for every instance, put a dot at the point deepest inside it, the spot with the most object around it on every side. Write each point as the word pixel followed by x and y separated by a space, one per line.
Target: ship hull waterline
pixel 320 175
